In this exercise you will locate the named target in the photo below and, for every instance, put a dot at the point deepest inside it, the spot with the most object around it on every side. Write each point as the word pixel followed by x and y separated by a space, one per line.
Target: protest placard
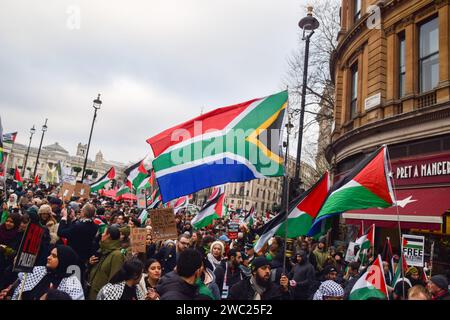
pixel 141 201
pixel 67 191
pixel 82 190
pixel 163 224
pixel 138 238
pixel 29 248
pixel 413 249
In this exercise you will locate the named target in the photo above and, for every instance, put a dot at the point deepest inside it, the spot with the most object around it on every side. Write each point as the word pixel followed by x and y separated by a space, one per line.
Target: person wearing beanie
pixel 438 287
pixel 215 254
pixel 59 273
pixel 259 286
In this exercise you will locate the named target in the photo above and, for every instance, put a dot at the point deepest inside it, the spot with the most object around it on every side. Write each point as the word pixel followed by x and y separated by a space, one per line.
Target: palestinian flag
pixel 18 178
pixel 371 284
pixel 155 200
pixel 124 189
pixel 212 209
pixel 145 184
pixel 249 217
pixel 237 143
pixel 366 186
pixel 9 137
pixel 143 217
pixel 402 266
pixel 138 172
pixel 302 212
pixel 103 180
pixel 365 243
pixel 101 225
pixel 36 180
pixel 181 203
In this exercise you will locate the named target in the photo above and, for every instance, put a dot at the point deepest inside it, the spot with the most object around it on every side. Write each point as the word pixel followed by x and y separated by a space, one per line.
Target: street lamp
pixel 308 24
pixel 32 131
pixel 44 128
pixel 97 104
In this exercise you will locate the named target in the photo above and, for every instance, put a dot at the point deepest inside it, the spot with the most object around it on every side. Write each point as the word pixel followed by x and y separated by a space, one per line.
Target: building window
pixel 354 91
pixel 356 10
pixel 429 55
pixel 401 65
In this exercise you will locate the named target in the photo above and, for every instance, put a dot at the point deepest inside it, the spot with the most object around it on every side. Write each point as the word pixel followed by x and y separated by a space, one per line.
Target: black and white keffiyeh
pixel 329 288
pixel 114 292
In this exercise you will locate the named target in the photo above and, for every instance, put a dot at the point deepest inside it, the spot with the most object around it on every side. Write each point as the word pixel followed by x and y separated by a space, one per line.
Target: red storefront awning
pixel 417 209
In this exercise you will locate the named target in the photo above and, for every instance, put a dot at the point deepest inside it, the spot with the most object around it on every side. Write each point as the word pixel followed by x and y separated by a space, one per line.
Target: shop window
pixel 429 55
pixel 425 147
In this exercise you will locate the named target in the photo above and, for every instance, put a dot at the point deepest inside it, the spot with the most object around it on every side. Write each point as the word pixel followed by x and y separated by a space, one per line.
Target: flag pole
pixel 286 181
pixel 391 175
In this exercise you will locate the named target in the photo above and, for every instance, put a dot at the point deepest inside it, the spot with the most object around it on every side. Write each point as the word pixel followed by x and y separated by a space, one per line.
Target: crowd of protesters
pixel 93 235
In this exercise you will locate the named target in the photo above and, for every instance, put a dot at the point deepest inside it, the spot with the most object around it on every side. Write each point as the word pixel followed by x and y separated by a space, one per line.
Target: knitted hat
pixel 329 288
pixel 440 280
pixel 411 270
pixel 259 262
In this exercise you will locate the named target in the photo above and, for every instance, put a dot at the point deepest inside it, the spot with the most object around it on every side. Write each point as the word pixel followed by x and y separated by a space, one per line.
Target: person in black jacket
pixel 80 234
pixel 229 272
pixel 304 274
pixel 180 284
pixel 259 286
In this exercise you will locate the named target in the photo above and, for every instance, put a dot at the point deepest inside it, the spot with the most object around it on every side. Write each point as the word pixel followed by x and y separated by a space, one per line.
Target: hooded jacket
pixel 173 287
pixel 304 274
pixel 110 261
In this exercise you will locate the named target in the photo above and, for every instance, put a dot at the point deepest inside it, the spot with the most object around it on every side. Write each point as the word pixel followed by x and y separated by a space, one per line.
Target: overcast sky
pixel 156 63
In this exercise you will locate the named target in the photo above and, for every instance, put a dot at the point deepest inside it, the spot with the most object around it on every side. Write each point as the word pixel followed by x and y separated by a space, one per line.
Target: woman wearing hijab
pixel 124 284
pixel 12 201
pixel 55 275
pixel 9 242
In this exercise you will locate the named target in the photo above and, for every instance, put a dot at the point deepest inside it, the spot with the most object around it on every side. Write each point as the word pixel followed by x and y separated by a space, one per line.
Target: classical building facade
pixel 392 80
pixel 49 158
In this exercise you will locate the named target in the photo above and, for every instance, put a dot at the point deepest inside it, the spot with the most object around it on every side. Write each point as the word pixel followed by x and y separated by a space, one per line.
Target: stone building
pixel 392 80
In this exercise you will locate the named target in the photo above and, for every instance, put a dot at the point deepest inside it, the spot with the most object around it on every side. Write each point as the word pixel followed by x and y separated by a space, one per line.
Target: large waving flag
pixel 213 209
pixel 301 214
pixel 371 284
pixel 103 180
pixel 232 144
pixel 366 186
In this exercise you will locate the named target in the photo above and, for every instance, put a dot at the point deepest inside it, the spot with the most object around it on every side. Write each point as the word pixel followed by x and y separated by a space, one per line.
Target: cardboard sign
pixel 413 248
pixel 138 238
pixel 141 201
pixel 67 191
pixel 29 248
pixel 82 190
pixel 163 224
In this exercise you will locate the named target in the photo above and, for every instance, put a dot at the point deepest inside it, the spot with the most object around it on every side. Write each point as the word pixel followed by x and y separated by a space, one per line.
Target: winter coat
pixel 80 236
pixel 52 227
pixel 321 258
pixel 114 292
pixel 110 261
pixel 304 274
pixel 70 285
pixel 243 290
pixel 173 287
pixel 232 277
